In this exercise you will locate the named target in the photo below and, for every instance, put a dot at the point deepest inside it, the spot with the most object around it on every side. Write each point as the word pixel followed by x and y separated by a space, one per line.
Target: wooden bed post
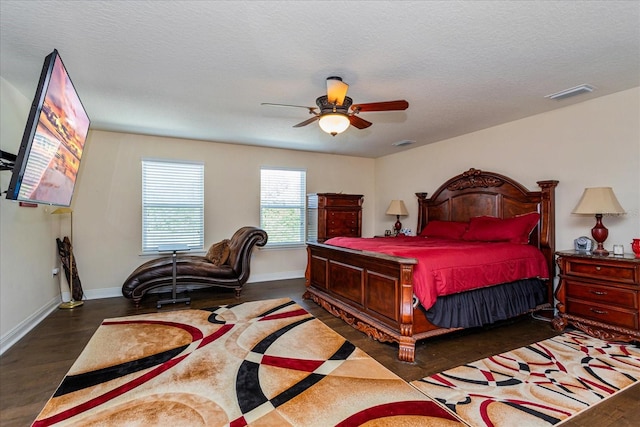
pixel 407 341
pixel 548 232
pixel 423 213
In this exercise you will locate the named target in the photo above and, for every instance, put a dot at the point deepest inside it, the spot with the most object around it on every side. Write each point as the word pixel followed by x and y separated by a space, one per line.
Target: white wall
pixel 591 144
pixel 28 291
pixel 107 207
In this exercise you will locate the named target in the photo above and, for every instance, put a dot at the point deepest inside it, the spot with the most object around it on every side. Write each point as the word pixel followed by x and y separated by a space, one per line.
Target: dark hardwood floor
pixel 32 369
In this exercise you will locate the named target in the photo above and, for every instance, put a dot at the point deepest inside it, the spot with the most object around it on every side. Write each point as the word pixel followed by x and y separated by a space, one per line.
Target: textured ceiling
pixel 200 69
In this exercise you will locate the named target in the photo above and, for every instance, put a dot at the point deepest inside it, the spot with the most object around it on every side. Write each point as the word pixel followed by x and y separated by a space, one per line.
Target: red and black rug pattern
pixel 263 363
pixel 542 384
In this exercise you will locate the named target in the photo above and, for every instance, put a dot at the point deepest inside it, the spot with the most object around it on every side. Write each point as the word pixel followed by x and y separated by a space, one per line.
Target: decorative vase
pixel 635 247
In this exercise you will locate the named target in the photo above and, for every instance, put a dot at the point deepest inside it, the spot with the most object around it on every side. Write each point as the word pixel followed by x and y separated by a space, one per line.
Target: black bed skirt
pixel 487 305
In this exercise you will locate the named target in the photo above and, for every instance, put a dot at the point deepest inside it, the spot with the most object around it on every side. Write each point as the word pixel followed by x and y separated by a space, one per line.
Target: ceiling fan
pixel 334 116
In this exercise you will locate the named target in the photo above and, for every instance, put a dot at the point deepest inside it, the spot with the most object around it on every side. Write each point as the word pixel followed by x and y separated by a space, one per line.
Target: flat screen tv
pixel 47 162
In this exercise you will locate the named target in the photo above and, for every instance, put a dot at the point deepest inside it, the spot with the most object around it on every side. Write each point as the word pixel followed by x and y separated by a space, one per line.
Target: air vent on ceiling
pixel 403 143
pixel 578 90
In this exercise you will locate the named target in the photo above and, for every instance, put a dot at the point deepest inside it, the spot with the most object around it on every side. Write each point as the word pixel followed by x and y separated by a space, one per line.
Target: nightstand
pixel 599 295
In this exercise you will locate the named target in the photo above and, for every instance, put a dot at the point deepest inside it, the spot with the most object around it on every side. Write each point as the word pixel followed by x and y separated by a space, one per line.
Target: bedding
pixel 450 266
pixel 445 229
pixel 492 229
pixel 484 306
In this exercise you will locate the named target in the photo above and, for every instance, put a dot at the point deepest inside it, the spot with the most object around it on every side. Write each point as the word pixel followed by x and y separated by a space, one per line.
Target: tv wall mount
pixel 7 161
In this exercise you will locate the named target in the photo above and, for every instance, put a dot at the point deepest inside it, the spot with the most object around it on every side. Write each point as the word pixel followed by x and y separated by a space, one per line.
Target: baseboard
pixel 23 328
pixel 103 293
pixel 32 321
pixel 269 277
pixel 117 292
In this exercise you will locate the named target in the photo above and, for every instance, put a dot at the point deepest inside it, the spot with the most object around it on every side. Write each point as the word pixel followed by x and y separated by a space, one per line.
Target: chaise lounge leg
pixel 238 291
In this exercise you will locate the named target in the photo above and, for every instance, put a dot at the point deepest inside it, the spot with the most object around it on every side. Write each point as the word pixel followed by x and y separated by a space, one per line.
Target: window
pixel 172 204
pixel 282 205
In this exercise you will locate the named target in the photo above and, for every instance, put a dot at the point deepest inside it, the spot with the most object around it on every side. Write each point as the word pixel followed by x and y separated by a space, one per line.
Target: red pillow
pixel 491 229
pixel 446 229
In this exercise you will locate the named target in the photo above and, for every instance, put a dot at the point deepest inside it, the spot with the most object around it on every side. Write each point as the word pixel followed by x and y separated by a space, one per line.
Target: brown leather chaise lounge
pixel 198 271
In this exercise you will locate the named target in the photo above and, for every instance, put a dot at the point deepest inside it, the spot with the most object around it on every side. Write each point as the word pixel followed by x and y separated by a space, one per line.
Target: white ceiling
pixel 200 69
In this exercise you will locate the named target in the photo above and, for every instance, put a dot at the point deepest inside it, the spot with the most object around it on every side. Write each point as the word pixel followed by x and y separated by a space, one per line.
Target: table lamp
pixel 598 201
pixel 397 208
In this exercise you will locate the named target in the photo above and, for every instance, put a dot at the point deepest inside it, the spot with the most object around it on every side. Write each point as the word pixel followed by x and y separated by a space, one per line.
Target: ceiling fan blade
pixel 311 109
pixel 381 106
pixel 359 122
pixel 306 122
pixel 336 90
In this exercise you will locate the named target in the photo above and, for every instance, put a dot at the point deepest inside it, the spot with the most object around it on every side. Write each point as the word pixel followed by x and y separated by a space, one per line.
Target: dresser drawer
pixel 602 270
pixel 342 224
pixel 606 314
pixel 340 200
pixel 344 231
pixel 342 215
pixel 625 298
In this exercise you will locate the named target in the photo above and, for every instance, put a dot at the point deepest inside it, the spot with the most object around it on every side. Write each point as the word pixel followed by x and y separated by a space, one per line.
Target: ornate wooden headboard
pixel 477 193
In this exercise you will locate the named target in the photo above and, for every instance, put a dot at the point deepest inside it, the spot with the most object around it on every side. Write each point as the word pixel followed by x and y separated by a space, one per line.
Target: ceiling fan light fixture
pixel 333 109
pixel 336 90
pixel 334 123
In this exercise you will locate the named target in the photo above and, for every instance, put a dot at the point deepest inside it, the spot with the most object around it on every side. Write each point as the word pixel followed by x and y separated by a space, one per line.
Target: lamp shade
pixel 65 210
pixel 334 123
pixel 60 211
pixel 336 90
pixel 396 207
pixel 598 200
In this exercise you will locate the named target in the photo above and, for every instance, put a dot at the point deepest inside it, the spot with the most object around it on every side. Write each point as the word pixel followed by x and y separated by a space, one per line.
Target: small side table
pixel 174 249
pixel 599 295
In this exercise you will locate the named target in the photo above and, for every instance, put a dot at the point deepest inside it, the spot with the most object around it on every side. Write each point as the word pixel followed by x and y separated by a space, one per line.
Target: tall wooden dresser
pixel 333 214
pixel 599 295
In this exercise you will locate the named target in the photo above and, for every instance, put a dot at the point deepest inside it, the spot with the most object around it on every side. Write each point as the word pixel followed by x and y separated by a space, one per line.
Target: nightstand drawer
pixel 602 270
pixel 608 314
pixel 624 298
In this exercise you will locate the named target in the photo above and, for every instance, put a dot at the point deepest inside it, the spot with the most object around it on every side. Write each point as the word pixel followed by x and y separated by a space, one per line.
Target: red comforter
pixel 450 266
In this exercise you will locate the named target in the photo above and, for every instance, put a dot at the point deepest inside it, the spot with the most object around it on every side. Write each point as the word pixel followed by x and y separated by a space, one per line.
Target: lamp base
pixel 600 251
pixel 398 225
pixel 600 233
pixel 71 304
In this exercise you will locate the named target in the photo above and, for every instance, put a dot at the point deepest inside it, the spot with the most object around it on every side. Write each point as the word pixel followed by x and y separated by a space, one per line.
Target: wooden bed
pixel 373 292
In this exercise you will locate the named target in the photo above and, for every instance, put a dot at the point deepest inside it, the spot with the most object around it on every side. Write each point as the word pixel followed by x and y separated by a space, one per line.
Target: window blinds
pixel 282 205
pixel 172 204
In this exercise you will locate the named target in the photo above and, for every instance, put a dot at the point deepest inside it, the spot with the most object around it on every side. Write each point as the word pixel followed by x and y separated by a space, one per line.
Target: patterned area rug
pixel 538 385
pixel 265 363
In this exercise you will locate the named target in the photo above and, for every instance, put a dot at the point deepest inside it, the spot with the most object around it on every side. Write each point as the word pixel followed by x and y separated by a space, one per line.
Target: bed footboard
pixel 370 291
